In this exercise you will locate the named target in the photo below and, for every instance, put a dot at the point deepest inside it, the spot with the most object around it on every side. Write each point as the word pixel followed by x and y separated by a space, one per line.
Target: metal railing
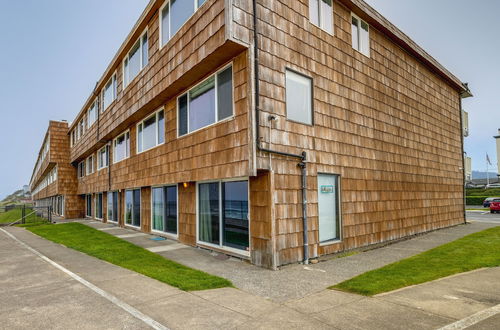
pixel 24 214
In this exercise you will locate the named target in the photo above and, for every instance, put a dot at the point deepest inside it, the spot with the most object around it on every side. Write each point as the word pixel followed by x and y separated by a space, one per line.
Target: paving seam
pixel 126 307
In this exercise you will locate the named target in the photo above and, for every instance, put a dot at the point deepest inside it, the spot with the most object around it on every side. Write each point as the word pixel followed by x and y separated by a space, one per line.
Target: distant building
pixel 468 169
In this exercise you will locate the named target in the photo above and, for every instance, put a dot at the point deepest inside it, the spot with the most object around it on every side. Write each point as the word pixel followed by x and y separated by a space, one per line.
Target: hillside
pixel 16 197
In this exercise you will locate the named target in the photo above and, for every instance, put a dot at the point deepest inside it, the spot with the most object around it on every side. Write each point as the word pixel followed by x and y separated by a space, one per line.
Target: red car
pixel 495 206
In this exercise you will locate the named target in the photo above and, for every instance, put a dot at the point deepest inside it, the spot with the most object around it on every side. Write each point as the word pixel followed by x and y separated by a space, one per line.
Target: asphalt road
pixel 483 216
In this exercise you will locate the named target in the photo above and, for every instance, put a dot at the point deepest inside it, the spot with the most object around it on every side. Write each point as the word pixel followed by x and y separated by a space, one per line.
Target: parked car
pixel 495 205
pixel 487 201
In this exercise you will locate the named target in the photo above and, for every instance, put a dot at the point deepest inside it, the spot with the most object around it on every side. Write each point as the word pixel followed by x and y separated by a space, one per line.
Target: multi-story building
pixel 53 181
pixel 271 130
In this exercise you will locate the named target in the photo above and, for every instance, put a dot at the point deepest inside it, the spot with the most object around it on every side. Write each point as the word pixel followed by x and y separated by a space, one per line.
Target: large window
pixel 102 158
pixel 121 147
pixel 88 205
pixel 299 98
pixel 360 35
pixel 98 206
pixel 151 131
pixel 173 14
pixel 109 93
pixel 133 207
pixel 92 114
pixel 223 214
pixel 164 213
pixel 81 169
pixel 321 14
pixel 112 209
pixel 136 59
pixel 207 103
pixel 90 165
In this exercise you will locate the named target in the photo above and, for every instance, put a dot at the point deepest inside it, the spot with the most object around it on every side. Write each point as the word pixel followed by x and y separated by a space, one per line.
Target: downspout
pixel 301 156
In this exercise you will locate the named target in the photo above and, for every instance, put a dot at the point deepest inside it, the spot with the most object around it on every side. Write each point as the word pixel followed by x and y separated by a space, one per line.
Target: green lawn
pixel 127 255
pixel 471 252
pixel 16 214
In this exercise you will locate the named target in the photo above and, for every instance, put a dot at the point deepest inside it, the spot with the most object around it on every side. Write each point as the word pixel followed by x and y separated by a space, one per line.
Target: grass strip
pixel 127 255
pixel 478 250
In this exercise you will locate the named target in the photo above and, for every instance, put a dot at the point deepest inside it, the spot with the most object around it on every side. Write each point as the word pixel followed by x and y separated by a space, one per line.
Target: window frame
pixel 125 208
pixel 91 170
pixel 176 235
pixel 154 114
pixel 81 169
pixel 221 245
pixel 360 21
pixel 320 25
pixel 160 16
pixel 108 219
pixel 115 161
pixel 125 79
pixel 312 97
pixel 95 206
pixel 114 86
pixel 99 165
pixel 96 115
pixel 187 92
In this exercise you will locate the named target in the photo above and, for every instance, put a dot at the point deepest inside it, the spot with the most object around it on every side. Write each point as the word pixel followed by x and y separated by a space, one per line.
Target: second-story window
pixel 121 147
pixel 136 59
pixel 321 14
pixel 207 103
pixel 90 165
pixel 360 35
pixel 151 131
pixel 298 98
pixel 102 158
pixel 81 169
pixel 92 114
pixel 173 15
pixel 81 128
pixel 109 93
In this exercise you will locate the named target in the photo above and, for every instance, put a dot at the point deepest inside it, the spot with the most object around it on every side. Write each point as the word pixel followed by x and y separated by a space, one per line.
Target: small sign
pixel 326 189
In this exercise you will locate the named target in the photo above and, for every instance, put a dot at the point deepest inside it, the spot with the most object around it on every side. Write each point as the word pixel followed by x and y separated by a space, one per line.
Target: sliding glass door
pixel 88 203
pixel 112 209
pixel 164 215
pixel 223 214
pixel 98 206
pixel 133 207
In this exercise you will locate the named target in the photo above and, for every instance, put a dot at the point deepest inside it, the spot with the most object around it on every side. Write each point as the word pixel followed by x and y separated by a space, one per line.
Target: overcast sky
pixel 53 51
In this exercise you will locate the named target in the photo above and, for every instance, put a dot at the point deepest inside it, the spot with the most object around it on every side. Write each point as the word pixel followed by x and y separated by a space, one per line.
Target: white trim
pixel 98 158
pixel 359 35
pixel 96 115
pixel 154 114
pixel 117 205
pixel 176 235
pixel 332 33
pixel 115 92
pixel 160 28
pixel 125 224
pixel 127 58
pixel 87 171
pixel 215 75
pixel 339 197
pixel 95 206
pixel 221 245
pixel 114 147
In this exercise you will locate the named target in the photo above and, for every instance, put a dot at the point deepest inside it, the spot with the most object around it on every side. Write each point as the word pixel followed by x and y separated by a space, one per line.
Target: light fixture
pixel 185 184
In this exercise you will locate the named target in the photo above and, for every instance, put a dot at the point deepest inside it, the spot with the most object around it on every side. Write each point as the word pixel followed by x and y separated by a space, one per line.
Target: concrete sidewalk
pixel 293 281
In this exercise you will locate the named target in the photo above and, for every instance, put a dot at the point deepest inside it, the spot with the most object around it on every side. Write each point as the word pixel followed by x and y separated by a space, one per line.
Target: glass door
pixel 328 205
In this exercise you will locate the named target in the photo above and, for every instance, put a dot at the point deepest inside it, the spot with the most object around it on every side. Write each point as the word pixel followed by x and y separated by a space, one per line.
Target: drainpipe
pixel 301 156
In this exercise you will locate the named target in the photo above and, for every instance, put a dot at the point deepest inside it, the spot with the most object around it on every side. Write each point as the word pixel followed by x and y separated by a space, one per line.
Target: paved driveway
pixel 483 216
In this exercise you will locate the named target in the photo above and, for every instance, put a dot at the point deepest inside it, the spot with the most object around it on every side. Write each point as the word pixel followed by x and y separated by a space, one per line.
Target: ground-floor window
pixel 223 214
pixel 133 207
pixel 98 206
pixel 164 215
pixel 88 203
pixel 60 205
pixel 112 206
pixel 328 207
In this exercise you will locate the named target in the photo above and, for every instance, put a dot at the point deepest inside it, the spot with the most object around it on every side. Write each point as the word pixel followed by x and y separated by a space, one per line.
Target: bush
pixel 475 200
pixel 492 192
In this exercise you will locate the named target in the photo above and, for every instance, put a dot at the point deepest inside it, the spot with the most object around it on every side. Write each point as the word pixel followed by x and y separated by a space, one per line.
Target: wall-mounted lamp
pixel 185 184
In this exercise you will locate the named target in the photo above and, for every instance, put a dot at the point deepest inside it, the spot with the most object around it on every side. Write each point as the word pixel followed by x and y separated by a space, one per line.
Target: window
pixel 73 137
pixel 102 158
pixel 88 205
pixel 223 214
pixel 136 59
pixel 121 147
pixel 360 35
pixel 92 114
pixel 112 209
pixel 98 206
pixel 81 128
pixel 321 14
pixel 81 169
pixel 90 165
pixel 164 215
pixel 173 15
pixel 207 103
pixel 298 98
pixel 133 207
pixel 151 131
pixel 109 93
